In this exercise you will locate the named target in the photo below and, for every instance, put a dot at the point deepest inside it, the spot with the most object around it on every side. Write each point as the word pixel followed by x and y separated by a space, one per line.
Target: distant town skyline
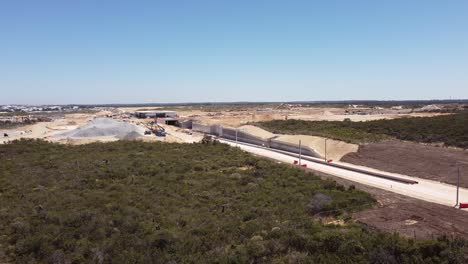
pixel 109 52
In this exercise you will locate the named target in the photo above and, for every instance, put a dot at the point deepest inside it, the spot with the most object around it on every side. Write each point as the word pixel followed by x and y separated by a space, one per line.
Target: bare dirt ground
pixel 233 116
pixel 408 216
pixel 259 132
pixel 238 116
pixel 413 159
pixel 46 130
pixel 49 130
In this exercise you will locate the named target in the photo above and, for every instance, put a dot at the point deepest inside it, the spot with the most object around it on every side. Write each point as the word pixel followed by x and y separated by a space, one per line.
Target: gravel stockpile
pixel 105 127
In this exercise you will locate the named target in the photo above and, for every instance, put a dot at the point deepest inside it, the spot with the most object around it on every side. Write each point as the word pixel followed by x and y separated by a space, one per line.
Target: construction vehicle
pixel 159 131
pixel 156 129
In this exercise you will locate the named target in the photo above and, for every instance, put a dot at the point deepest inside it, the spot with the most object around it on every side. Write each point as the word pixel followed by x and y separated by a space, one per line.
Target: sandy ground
pixel 423 161
pixel 48 130
pixel 79 141
pixel 175 134
pixel 235 117
pixel 335 149
pixel 256 131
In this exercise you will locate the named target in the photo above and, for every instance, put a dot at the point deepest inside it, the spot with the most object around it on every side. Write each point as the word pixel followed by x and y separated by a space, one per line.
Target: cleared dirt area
pixel 46 130
pixel 79 129
pixel 235 116
pixel 413 159
pixel 259 132
pixel 408 216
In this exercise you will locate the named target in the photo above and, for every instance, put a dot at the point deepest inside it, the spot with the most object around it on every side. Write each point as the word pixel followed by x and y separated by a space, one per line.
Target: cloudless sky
pixel 110 51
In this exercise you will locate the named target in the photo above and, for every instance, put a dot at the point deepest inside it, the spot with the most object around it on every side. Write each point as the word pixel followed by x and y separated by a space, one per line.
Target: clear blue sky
pixel 97 51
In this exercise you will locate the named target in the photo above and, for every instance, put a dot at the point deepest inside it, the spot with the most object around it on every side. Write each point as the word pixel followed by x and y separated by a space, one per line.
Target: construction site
pixel 382 167
pixel 236 167
pixel 234 132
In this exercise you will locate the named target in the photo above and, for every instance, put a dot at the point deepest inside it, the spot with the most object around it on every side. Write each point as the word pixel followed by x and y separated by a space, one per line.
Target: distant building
pixel 156 114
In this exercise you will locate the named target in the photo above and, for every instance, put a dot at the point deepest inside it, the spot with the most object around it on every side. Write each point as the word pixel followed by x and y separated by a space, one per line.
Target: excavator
pixel 156 129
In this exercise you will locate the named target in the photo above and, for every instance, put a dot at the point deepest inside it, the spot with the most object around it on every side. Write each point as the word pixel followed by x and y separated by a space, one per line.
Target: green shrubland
pixel 135 202
pixel 452 130
pixel 11 125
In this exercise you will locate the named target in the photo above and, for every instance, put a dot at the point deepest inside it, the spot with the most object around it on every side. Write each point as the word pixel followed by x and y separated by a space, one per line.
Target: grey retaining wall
pixel 230 133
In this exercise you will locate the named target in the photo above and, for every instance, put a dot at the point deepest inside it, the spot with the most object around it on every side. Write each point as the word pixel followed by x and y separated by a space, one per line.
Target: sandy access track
pixel 234 116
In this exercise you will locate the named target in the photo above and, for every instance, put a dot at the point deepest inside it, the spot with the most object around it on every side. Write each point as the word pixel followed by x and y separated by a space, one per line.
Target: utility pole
pixel 300 152
pixel 326 149
pixel 236 134
pixel 458 184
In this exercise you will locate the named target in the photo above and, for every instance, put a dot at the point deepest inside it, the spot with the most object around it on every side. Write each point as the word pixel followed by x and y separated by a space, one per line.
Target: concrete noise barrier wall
pixel 216 130
pixel 230 133
pixel 201 128
pixel 186 124
pixel 294 148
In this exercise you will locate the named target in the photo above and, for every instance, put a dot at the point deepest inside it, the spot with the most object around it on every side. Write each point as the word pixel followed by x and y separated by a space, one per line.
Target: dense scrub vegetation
pixel 11 125
pixel 135 202
pixel 333 129
pixel 452 130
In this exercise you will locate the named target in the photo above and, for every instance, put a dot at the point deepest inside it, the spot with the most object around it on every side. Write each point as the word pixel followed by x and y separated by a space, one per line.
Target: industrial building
pixel 160 116
pixel 156 114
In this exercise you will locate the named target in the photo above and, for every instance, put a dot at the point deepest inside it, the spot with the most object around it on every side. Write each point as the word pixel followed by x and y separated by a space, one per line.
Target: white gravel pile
pixel 105 127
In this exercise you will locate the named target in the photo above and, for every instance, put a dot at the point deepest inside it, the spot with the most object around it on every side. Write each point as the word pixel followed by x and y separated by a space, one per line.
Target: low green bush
pixel 135 202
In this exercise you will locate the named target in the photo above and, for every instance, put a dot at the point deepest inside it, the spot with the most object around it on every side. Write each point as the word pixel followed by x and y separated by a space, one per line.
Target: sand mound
pixel 256 131
pixel 335 149
pixel 104 127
